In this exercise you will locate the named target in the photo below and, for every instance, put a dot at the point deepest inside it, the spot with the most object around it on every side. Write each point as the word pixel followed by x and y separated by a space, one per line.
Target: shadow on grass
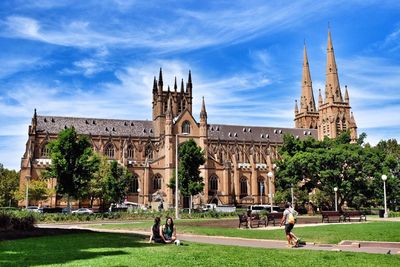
pixel 62 247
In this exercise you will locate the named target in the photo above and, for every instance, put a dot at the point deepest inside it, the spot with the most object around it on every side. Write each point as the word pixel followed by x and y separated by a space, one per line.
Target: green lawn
pixel 331 234
pixel 105 249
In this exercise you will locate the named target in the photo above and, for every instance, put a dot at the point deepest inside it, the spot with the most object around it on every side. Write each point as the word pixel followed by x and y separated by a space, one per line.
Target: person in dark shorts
pixel 156 232
pixel 288 220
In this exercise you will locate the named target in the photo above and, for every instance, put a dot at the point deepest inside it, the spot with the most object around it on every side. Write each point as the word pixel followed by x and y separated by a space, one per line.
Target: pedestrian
pixel 249 217
pixel 288 220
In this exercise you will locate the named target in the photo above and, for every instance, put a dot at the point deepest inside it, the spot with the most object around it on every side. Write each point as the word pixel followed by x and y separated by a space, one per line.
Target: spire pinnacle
pixel 307 94
pixel 346 95
pixel 160 80
pixel 203 112
pixel 182 87
pixel 189 83
pixel 175 85
pixel 332 85
pixel 296 108
pixel 155 84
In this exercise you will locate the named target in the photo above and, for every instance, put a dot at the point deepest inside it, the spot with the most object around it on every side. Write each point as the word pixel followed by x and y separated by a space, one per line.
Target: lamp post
pixel 176 175
pixel 384 178
pixel 291 192
pixel 335 189
pixel 261 189
pixel 270 174
pixel 27 191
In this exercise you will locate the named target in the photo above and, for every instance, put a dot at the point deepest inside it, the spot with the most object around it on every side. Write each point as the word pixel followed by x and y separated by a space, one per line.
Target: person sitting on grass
pixel 168 232
pixel 288 220
pixel 156 232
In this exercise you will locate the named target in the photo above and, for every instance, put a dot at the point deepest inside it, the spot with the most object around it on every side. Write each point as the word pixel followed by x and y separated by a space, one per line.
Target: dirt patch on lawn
pixel 37 232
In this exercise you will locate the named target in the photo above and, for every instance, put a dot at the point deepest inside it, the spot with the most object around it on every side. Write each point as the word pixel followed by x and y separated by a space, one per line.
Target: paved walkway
pixel 347 245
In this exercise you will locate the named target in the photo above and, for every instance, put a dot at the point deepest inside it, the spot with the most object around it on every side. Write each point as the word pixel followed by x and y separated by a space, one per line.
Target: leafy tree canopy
pixel 9 182
pixel 73 163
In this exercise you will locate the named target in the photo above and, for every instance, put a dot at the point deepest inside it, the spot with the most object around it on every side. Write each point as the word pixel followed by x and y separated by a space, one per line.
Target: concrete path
pixel 352 246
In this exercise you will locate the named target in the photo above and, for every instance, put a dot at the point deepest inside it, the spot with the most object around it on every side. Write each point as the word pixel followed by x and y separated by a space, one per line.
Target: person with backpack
pixel 289 220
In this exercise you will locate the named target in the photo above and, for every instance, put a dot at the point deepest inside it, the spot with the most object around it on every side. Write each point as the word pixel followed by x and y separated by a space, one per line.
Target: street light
pixel 27 191
pixel 384 178
pixel 176 174
pixel 270 174
pixel 335 189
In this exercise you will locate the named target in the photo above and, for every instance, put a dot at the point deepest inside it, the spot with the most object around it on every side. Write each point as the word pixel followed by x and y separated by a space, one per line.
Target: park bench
pixel 331 214
pixel 256 220
pixel 347 215
pixel 274 216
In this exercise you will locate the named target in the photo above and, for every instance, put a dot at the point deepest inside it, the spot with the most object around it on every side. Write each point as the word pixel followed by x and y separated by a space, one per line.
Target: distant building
pixel 238 158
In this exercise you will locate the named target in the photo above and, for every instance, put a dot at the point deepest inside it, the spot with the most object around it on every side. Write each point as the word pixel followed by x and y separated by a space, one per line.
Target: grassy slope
pixel 332 234
pixel 104 249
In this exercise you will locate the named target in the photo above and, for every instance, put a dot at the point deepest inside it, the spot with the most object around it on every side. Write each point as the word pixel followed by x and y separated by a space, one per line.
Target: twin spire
pixel 332 86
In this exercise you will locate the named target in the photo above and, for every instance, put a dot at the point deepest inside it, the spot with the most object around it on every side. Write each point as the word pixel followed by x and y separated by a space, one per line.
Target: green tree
pixel 311 164
pixel 115 183
pixel 38 190
pixel 9 183
pixel 190 159
pixel 73 163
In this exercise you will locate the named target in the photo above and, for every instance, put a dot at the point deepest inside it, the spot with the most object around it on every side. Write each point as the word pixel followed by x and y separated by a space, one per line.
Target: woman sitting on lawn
pixel 168 233
pixel 156 232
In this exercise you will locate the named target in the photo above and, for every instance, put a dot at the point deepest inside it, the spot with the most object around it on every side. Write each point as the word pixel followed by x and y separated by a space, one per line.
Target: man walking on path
pixel 288 220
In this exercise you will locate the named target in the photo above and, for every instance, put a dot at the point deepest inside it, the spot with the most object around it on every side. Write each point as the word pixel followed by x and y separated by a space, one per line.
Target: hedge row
pixel 16 220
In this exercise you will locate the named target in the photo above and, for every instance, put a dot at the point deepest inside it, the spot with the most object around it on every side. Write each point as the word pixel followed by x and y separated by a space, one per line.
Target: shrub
pixel 17 220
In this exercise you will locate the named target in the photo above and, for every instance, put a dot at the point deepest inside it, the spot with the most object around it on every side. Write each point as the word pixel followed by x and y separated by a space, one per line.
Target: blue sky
pixel 98 59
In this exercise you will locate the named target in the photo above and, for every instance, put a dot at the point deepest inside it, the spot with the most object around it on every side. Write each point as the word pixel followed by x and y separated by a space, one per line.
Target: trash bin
pixel 381 213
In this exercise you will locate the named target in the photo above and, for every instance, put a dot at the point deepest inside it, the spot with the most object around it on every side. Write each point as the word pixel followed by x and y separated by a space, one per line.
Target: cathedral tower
pixel 179 101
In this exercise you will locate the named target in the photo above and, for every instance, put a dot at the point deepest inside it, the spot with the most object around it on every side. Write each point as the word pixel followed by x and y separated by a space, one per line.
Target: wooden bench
pixel 256 220
pixel 274 216
pixel 331 214
pixel 347 215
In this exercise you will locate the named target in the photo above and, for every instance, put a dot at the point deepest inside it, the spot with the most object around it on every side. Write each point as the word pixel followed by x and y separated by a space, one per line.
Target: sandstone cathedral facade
pixel 238 158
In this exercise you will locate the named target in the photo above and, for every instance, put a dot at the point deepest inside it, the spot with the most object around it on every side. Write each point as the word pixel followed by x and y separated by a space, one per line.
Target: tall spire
pixel 203 112
pixel 306 83
pixel 332 86
pixel 160 81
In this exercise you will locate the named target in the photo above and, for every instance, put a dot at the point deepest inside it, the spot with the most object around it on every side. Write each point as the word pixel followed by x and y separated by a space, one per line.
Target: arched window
pixel 261 186
pixel 186 127
pixel 243 186
pixel 134 184
pixel 213 183
pixel 338 126
pixel 109 151
pixel 157 182
pixel 129 152
pixel 45 151
pixel 148 153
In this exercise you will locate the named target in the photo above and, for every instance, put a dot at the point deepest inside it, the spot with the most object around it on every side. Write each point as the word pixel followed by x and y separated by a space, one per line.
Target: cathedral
pixel 239 165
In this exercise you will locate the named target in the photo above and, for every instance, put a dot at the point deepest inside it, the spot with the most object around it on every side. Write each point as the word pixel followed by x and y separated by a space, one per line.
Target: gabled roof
pixel 93 126
pixel 255 133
